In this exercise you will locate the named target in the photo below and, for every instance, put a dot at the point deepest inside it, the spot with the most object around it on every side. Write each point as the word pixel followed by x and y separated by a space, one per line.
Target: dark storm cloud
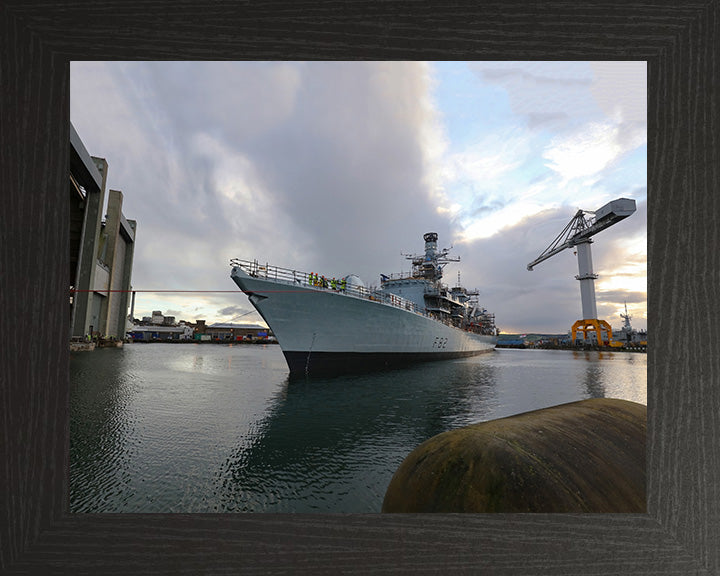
pixel 315 166
pixel 349 166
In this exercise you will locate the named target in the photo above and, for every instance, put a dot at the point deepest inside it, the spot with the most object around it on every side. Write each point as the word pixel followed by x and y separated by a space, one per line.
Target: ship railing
pixel 293 277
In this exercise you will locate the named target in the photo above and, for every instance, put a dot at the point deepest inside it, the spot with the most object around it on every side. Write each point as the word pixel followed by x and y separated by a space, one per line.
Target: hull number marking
pixel 439 342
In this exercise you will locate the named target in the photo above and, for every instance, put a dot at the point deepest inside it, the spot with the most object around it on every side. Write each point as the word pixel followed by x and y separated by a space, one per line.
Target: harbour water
pixel 221 428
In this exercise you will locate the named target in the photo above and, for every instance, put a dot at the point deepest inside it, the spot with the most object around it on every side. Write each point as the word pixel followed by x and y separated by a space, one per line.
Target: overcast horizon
pixel 341 167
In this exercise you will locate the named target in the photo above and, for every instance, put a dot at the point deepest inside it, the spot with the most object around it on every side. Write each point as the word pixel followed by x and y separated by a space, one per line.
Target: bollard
pixel 586 456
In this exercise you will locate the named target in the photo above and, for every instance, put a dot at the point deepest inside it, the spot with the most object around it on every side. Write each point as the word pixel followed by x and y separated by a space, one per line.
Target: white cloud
pixel 584 153
pixel 485 161
pixel 573 139
pixel 502 219
pixel 620 91
pixel 475 183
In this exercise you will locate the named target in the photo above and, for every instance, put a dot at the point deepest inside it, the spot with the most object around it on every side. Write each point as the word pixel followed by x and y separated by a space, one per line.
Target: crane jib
pixel 581 228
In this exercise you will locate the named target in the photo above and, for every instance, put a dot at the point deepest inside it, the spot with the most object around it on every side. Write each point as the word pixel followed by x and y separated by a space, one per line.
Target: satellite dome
pixel 354 280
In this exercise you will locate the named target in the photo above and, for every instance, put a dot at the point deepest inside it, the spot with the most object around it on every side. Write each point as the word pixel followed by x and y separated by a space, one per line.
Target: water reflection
pixel 594 374
pixel 213 428
pixel 613 375
pixel 100 428
pixel 334 443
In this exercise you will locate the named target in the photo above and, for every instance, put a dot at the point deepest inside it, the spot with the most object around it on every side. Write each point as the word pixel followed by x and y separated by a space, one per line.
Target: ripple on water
pixel 213 428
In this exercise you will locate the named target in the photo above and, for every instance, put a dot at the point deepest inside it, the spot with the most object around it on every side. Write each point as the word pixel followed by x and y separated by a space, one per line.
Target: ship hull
pixel 344 362
pixel 327 331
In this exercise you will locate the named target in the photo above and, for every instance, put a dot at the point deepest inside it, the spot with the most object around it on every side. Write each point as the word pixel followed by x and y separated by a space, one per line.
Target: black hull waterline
pixel 332 363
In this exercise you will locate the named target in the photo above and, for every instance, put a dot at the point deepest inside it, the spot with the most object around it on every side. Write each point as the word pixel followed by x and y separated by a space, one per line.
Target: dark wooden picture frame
pixel 680 534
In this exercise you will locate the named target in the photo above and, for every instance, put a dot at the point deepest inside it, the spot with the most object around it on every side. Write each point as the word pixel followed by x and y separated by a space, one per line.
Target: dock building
pixel 163 328
pixel 232 332
pixel 152 333
pixel 102 245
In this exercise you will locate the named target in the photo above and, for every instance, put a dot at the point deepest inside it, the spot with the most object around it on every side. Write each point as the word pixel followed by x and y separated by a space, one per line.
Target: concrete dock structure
pixel 101 249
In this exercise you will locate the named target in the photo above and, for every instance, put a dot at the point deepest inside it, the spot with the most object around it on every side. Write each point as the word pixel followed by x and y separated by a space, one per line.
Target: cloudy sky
pixel 341 167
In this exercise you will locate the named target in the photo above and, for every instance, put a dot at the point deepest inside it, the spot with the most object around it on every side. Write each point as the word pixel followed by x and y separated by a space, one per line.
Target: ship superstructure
pixel 628 335
pixel 454 306
pixel 331 325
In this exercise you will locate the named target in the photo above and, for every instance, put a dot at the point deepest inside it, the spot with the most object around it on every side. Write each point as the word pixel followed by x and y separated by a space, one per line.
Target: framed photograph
pixel 679 531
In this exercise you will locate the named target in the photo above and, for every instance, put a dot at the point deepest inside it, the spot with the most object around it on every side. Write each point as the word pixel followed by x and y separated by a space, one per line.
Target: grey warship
pixel 345 326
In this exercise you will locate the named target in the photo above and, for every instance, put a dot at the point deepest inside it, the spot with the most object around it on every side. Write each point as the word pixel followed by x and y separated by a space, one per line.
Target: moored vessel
pixel 329 325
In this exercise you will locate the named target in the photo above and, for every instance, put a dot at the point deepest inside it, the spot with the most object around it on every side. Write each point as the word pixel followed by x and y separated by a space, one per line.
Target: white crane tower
pixel 578 234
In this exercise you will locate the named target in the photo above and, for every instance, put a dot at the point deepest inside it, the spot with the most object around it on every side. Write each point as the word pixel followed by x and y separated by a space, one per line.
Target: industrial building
pixel 233 332
pixel 163 333
pixel 159 327
pixel 102 244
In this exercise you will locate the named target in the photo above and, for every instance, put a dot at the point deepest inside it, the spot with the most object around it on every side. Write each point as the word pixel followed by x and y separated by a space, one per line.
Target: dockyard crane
pixel 578 235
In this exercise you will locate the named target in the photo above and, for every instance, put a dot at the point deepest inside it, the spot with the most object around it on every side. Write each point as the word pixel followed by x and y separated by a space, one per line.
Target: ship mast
pixel 430 265
pixel 626 318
